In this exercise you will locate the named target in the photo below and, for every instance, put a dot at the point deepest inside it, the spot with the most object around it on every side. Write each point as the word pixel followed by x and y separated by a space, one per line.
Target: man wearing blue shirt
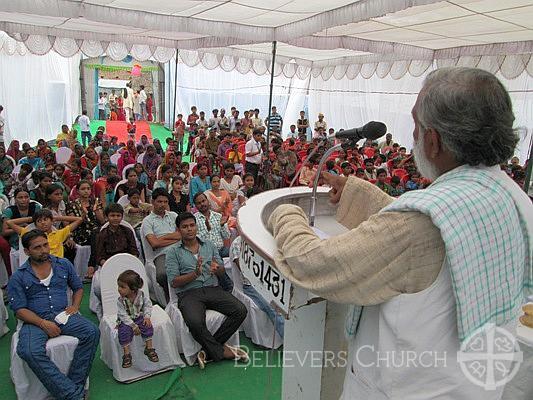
pixel 38 294
pixel 193 267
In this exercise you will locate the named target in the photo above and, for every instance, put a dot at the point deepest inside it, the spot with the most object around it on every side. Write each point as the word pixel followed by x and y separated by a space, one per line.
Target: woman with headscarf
pixel 170 159
pixel 6 168
pixel 6 165
pixel 42 149
pixel 90 159
pixel 132 148
pixel 151 161
pixel 103 165
pixel 143 142
pixel 120 109
pixel 14 151
pixel 149 107
pixel 158 148
pixel 124 160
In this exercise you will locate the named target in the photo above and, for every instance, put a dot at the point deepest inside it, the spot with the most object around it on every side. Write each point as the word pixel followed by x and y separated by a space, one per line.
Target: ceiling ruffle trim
pixel 510 66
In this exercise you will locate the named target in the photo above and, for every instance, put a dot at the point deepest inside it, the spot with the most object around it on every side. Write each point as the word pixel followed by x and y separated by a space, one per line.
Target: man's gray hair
pixel 472 112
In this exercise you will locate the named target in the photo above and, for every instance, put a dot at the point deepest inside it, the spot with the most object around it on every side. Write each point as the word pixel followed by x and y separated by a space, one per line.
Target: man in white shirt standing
pixel 2 125
pixel 101 106
pixel 142 101
pixel 128 101
pixel 85 128
pixel 254 153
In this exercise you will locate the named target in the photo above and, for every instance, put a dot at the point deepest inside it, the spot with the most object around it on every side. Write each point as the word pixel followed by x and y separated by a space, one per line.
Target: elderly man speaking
pixel 427 270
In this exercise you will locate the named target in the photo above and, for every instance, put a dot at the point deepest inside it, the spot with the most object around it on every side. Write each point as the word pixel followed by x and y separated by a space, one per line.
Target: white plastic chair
pixel 12 160
pixel 3 315
pixel 118 184
pixel 126 168
pixel 16 171
pixel 123 200
pixel 3 274
pixel 27 386
pixel 114 158
pixel 156 291
pixel 257 326
pixel 4 203
pixel 95 304
pixel 164 339
pixel 186 343
pixel 63 154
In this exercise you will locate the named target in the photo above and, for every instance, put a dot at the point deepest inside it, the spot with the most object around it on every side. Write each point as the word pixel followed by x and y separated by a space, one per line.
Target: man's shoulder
pixel 61 263
pixel 175 248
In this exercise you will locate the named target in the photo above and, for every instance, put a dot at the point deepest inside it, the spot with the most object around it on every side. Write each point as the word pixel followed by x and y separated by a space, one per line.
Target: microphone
pixel 372 130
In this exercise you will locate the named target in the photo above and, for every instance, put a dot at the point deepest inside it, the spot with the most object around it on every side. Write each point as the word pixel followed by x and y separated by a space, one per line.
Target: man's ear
pixel 433 143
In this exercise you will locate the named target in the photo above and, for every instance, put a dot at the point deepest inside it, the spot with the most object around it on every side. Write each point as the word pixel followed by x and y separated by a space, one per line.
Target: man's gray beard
pixel 425 167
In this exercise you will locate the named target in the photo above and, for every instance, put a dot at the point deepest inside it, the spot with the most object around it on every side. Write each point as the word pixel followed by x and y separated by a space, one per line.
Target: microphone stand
pixel 318 146
pixel 345 145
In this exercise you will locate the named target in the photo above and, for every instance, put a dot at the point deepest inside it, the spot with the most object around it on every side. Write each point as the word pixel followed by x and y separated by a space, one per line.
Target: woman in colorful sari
pixel 6 168
pixel 42 149
pixel 158 149
pixel 170 159
pixel 149 106
pixel 220 199
pixel 125 159
pixel 90 159
pixel 103 165
pixel 120 109
pixel 132 148
pixel 14 151
pixel 151 161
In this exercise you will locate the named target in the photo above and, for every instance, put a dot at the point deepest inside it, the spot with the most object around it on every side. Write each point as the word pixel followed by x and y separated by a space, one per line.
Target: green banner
pixel 112 68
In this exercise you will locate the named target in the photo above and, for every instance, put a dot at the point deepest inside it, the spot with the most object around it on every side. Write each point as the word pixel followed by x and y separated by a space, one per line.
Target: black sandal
pixel 126 361
pixel 151 354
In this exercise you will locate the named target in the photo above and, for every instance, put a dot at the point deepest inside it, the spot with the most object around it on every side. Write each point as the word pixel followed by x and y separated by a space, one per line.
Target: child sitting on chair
pixel 114 238
pixel 133 316
pixel 136 210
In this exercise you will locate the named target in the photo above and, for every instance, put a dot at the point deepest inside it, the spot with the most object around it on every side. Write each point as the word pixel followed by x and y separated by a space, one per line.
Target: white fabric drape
pixel 39 94
pixel 386 63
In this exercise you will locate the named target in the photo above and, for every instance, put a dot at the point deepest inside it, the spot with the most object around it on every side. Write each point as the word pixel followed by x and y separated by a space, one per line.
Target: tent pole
pixel 274 44
pixel 527 181
pixel 175 91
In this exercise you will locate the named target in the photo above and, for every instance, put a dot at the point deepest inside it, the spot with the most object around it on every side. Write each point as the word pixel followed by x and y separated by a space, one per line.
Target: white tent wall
pixel 39 93
pixel 349 103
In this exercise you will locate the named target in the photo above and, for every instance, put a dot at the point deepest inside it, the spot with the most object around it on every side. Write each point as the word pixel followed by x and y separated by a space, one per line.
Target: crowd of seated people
pixel 172 199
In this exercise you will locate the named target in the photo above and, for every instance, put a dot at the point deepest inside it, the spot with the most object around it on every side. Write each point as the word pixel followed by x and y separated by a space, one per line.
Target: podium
pixel 314 348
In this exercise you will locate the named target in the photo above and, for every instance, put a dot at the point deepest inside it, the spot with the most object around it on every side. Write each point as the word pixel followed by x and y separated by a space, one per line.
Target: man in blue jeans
pixel 38 296
pixel 276 318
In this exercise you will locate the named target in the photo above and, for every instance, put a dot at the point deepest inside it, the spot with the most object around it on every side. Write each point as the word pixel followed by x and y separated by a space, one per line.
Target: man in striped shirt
pixel 274 121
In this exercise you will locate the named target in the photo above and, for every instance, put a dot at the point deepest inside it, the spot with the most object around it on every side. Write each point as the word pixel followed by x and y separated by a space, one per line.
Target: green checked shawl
pixel 486 224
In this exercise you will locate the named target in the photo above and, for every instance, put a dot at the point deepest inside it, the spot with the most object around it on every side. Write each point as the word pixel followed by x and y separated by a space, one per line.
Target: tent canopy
pixel 312 34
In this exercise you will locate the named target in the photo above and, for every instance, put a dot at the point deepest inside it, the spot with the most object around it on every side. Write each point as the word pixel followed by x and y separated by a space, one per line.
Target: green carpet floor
pixel 218 381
